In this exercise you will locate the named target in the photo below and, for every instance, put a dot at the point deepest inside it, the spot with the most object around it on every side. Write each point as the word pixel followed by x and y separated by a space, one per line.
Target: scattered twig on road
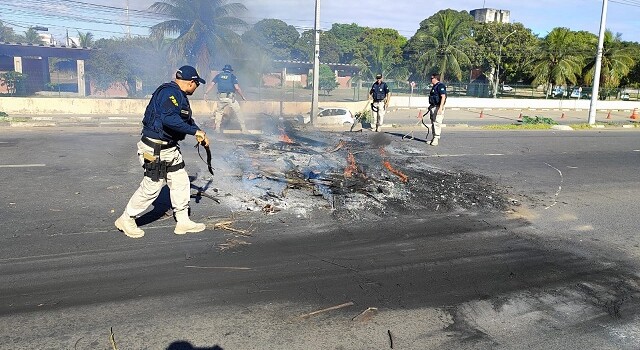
pixel 112 339
pixel 366 315
pixel 325 310
pixel 226 225
pixel 390 338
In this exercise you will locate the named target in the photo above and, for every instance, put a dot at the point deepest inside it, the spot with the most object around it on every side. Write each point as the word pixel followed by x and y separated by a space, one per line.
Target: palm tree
pixel 205 29
pixel 445 37
pixel 617 62
pixel 85 39
pixel 558 60
pixel 32 37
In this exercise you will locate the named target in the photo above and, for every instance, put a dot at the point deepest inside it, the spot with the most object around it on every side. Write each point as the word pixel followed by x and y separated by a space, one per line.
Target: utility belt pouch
pixel 154 168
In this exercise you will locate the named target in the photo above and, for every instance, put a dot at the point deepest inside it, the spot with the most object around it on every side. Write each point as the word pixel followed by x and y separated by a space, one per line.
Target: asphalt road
pixel 556 271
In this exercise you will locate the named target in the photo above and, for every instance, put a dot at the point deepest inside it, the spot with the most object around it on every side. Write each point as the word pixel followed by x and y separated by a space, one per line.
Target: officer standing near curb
pixel 437 98
pixel 167 120
pixel 228 87
pixel 380 95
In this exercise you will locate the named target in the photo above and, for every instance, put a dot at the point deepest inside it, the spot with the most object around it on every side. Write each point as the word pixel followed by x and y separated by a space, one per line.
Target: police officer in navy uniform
pixel 437 98
pixel 228 87
pixel 380 95
pixel 167 120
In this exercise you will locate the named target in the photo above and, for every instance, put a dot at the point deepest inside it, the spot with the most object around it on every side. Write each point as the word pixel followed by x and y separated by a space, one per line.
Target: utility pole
pixel 316 65
pixel 596 74
pixel 495 87
pixel 128 26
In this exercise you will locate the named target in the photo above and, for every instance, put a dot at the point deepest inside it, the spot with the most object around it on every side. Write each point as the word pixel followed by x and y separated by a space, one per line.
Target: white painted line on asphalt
pixel 459 155
pixel 636 150
pixel 20 165
pixel 3 142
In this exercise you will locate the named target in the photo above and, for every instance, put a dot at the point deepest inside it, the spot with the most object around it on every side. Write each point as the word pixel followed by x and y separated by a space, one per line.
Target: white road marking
pixel 21 165
pixel 459 155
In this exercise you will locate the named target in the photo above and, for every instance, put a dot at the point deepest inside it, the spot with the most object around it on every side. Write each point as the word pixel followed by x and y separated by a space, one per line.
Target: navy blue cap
pixel 227 68
pixel 189 73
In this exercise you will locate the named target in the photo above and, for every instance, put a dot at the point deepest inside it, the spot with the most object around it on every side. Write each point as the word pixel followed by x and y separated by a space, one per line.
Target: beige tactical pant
pixel 228 100
pixel 378 112
pixel 178 182
pixel 436 120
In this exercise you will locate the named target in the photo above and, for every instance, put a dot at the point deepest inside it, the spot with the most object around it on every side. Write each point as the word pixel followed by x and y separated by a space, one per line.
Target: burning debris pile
pixel 354 175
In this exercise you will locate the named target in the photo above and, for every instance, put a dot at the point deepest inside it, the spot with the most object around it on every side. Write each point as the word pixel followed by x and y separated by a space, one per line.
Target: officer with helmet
pixel 167 120
pixel 228 87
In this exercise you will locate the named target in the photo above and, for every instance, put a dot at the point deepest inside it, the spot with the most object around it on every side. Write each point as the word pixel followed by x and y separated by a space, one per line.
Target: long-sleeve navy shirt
pixel 168 115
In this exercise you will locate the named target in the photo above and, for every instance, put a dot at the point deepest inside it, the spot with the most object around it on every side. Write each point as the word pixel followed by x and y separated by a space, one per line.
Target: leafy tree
pixel 272 36
pixel 633 78
pixel 439 44
pixel 617 61
pixel 329 50
pixel 382 54
pixel 327 79
pixel 86 39
pixel 205 29
pixel 128 61
pixel 6 33
pixel 558 61
pixel 515 43
pixel 348 38
pixel 14 82
pixel 32 37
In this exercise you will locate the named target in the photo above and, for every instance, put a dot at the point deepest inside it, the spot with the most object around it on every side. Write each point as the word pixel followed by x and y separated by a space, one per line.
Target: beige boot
pixel 127 224
pixel 435 141
pixel 185 225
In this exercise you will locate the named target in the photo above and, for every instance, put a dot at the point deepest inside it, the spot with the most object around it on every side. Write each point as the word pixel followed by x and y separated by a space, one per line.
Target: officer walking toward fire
pixel 380 95
pixel 437 98
pixel 167 120
pixel 228 87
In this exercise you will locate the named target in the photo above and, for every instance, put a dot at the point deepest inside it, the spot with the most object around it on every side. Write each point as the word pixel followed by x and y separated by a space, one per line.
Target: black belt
pixel 154 144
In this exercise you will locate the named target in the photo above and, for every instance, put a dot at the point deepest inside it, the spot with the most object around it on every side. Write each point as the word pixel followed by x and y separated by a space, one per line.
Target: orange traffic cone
pixel 482 113
pixel 609 115
pixel 634 115
pixel 419 113
pixel 562 117
pixel 520 116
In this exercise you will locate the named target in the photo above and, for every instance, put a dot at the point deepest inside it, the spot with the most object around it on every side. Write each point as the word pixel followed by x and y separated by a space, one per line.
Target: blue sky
pixel 108 18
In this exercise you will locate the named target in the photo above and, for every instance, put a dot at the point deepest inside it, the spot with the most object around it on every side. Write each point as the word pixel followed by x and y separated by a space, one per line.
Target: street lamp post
pixel 495 88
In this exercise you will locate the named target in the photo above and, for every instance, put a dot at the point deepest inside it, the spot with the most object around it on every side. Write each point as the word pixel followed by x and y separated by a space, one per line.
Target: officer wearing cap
pixel 380 95
pixel 167 120
pixel 228 87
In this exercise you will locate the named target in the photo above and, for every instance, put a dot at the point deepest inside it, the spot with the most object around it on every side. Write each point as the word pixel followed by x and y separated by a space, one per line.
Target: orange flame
pixel 284 138
pixel 351 168
pixel 398 173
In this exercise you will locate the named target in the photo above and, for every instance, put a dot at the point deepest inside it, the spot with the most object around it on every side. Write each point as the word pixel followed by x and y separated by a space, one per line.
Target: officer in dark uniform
pixel 437 99
pixel 380 95
pixel 167 120
pixel 228 87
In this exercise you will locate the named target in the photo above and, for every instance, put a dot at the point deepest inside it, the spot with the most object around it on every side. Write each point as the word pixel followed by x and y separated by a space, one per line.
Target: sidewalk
pixel 405 118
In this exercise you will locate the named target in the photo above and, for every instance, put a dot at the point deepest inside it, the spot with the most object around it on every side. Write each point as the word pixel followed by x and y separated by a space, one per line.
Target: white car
pixel 335 115
pixel 624 96
pixel 506 88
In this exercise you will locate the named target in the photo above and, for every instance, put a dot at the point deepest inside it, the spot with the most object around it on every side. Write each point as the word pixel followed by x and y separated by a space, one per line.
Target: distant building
pixel 486 15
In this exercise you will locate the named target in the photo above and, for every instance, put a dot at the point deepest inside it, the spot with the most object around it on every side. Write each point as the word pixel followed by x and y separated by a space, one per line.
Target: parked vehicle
pixel 580 93
pixel 557 91
pixel 506 88
pixel 624 96
pixel 329 115
pixel 335 115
